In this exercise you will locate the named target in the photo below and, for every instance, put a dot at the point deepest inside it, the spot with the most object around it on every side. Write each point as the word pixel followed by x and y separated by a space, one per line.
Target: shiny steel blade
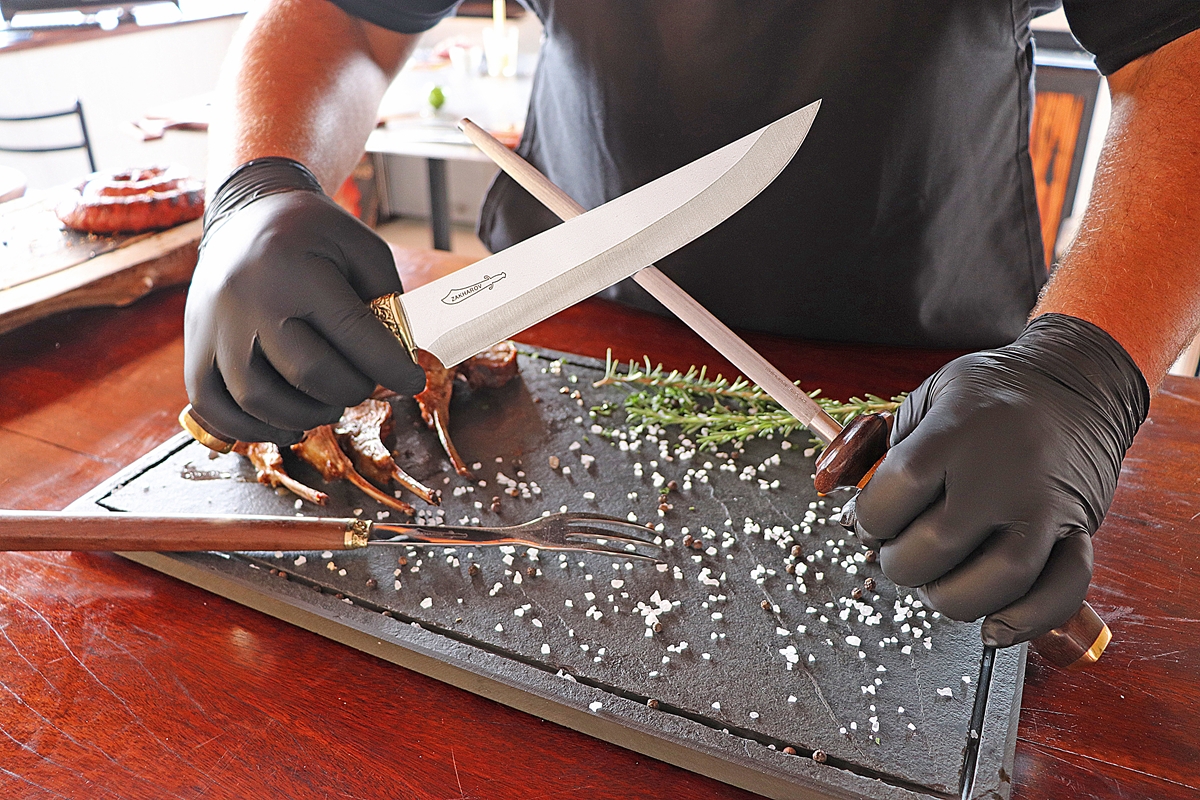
pixel 463 313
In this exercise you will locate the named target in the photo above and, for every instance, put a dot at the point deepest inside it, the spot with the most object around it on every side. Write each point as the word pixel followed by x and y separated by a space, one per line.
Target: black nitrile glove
pixel 277 334
pixel 1003 464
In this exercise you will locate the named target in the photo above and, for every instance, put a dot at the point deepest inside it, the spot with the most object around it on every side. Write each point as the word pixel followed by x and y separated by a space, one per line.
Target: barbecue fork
pixel 55 530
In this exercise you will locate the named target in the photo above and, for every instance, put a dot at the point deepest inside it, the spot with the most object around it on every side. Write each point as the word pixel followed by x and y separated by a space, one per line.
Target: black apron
pixel 909 215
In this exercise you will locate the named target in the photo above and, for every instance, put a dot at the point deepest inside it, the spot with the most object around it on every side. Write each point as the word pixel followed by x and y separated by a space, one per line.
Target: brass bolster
pixel 389 311
pixel 189 420
pixel 1093 653
pixel 358 532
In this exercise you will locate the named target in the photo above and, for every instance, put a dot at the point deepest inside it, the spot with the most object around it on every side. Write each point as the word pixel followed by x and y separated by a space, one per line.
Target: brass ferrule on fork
pixel 358 533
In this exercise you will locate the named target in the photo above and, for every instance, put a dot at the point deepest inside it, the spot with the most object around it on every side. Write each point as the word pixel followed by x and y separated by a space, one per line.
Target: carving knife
pixel 852 454
pixel 486 302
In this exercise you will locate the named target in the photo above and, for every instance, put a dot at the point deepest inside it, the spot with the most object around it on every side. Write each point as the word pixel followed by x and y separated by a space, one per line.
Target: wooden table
pixel 116 681
pixel 45 269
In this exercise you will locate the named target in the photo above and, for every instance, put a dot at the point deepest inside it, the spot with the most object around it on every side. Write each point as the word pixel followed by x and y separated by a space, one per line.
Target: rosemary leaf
pixel 718 410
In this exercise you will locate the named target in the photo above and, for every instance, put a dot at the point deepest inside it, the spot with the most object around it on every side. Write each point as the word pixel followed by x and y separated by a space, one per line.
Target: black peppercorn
pixel 697 544
pixel 869 584
pixel 766 605
pixel 664 507
pixel 652 703
pixel 372 583
pixel 872 556
pixel 495 504
pixel 473 569
pixel 819 756
pixel 402 561
pixel 531 571
pixel 687 540
pixel 856 593
pixel 658 627
pixel 790 569
pixel 796 551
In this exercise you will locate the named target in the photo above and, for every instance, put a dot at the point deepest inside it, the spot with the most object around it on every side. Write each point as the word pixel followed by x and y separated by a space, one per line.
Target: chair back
pixel 84 143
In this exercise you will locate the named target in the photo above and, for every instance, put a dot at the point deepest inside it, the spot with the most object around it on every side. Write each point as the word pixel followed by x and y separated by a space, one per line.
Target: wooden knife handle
pixel 850 461
pixel 54 530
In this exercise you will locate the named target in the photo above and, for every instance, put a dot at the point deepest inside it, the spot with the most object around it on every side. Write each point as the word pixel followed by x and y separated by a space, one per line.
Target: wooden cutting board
pixel 522 629
pixel 45 269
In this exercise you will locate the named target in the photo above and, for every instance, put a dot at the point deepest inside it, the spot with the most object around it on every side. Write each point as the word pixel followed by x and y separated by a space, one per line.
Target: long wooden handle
pixel 850 461
pixel 667 292
pixel 54 530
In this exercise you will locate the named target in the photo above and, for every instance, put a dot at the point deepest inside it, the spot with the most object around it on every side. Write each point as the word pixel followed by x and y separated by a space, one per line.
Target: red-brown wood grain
pixel 116 681
pixel 102 532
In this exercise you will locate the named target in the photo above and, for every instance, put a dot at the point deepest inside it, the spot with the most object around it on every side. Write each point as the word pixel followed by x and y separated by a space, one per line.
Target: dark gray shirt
pixel 908 216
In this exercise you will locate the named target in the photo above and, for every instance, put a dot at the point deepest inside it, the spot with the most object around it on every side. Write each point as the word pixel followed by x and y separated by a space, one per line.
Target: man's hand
pixel 1003 465
pixel 278 337
pixel 989 502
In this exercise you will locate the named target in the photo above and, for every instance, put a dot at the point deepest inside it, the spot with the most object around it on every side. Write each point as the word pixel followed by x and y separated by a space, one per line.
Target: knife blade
pixel 723 339
pixel 486 302
pixel 481 304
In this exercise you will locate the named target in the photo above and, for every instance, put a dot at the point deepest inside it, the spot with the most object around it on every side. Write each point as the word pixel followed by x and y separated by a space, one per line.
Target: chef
pixel 908 217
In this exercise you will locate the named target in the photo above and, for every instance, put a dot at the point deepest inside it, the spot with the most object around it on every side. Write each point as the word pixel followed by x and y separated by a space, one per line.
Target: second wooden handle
pixel 55 530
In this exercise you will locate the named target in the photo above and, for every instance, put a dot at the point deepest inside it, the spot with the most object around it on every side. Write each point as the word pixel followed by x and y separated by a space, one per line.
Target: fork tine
pixel 602 533
pixel 575 515
pixel 576 519
pixel 608 551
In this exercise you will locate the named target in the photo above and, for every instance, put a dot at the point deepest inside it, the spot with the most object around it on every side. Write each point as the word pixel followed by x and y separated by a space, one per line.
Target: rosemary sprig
pixel 719 410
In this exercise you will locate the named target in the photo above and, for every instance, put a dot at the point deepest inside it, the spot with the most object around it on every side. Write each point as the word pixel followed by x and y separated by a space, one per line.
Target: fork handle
pixel 56 530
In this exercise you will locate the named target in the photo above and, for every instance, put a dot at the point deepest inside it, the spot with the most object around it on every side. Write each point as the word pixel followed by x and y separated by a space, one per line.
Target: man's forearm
pixel 303 80
pixel 1134 268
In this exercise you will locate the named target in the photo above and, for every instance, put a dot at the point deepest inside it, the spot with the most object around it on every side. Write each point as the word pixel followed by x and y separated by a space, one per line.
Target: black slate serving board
pixel 726 706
